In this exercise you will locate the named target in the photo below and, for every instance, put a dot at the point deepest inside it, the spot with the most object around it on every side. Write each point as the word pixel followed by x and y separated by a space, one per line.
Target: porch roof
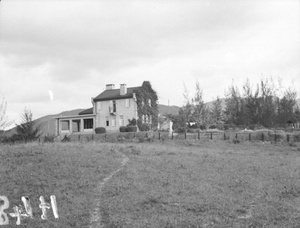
pixel 75 116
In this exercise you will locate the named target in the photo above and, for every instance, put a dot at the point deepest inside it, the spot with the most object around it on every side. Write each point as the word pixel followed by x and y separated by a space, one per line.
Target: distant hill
pixel 165 109
pixel 210 104
pixel 47 123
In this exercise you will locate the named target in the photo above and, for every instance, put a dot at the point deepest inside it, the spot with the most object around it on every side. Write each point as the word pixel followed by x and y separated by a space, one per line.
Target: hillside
pixel 47 123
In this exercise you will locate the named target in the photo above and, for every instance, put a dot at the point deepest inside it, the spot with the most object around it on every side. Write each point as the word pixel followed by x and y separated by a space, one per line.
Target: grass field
pixel 164 184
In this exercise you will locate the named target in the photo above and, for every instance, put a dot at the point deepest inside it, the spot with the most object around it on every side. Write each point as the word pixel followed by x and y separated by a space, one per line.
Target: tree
pixel 234 106
pixel 186 111
pixel 287 108
pixel 251 103
pixel 216 111
pixel 4 123
pixel 267 108
pixel 200 112
pixel 27 130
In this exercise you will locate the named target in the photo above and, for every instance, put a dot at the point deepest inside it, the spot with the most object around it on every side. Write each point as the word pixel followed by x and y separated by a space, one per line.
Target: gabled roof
pixel 87 111
pixel 114 94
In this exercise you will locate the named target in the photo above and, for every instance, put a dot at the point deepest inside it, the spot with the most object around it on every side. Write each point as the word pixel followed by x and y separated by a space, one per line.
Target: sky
pixel 57 54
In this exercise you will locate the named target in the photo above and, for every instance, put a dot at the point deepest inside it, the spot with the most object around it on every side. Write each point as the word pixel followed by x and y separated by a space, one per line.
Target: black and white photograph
pixel 159 114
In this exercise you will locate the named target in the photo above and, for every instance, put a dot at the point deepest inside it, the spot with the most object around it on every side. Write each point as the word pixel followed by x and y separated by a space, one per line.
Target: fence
pixel 264 136
pixel 268 136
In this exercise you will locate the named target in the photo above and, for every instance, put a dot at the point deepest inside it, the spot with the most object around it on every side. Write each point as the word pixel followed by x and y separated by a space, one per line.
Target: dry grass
pixel 192 184
pixel 69 171
pixel 184 183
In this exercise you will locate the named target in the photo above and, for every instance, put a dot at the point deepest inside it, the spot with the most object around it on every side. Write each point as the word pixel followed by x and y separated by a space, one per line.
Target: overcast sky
pixel 73 48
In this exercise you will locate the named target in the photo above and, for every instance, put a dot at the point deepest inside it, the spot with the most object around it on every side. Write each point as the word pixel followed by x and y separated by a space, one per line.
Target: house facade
pixel 112 109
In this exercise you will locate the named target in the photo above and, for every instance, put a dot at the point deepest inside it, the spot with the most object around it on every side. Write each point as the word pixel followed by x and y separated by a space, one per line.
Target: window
pixel 65 125
pixel 114 106
pixel 113 122
pixel 149 102
pixel 150 119
pixel 107 121
pixel 143 103
pixel 146 119
pixel 88 123
pixel 121 122
pixel 127 103
pixel 99 106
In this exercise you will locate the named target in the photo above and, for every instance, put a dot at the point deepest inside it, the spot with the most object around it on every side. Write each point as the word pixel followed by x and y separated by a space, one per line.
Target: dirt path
pixel 96 214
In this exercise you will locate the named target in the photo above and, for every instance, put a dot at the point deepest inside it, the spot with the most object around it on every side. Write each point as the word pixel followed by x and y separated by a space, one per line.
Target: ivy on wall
pixel 143 94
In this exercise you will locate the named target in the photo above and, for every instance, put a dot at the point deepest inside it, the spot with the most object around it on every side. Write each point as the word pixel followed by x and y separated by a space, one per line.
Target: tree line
pixel 264 105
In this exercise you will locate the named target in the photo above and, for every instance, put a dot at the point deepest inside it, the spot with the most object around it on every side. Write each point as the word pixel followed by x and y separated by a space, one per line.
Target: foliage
pixel 27 130
pixel 200 112
pixel 146 99
pixel 265 106
pixel 144 127
pixel 123 129
pixel 66 139
pixel 49 138
pixel 100 130
pixel 216 113
pixel 132 122
pixel 186 112
pixel 132 129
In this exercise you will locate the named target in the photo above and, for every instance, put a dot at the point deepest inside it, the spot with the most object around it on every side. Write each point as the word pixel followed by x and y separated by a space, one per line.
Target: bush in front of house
pixel 100 130
pixel 49 138
pixel 132 129
pixel 123 129
pixel 144 127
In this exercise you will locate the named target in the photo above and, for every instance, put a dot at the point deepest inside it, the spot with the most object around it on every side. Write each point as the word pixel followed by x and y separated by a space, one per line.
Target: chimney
pixel 110 86
pixel 123 89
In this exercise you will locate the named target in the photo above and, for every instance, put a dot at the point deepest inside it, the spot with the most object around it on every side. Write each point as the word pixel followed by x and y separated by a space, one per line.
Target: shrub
pixel 132 122
pixel 202 127
pixel 252 126
pixel 144 127
pixel 180 130
pixel 226 127
pixel 132 129
pixel 49 138
pixel 66 139
pixel 123 129
pixel 100 130
pixel 212 126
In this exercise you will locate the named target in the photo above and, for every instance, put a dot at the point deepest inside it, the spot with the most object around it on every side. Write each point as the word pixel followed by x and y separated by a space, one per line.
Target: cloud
pixel 76 47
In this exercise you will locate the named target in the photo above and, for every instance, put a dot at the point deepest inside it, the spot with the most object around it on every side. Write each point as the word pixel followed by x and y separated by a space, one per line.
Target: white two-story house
pixel 112 109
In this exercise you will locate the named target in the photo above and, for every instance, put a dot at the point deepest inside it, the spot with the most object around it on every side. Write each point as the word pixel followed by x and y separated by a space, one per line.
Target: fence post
pixel 288 137
pixel 158 135
pixel 263 137
pixel 198 135
pixel 249 136
pixel 236 136
pixel 185 135
pixel 172 135
pixel 224 136
pixel 211 136
pixel 79 137
pixel 275 137
pixel 93 137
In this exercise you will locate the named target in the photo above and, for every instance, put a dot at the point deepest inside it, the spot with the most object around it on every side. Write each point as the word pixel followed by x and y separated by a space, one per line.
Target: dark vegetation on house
pixel 147 106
